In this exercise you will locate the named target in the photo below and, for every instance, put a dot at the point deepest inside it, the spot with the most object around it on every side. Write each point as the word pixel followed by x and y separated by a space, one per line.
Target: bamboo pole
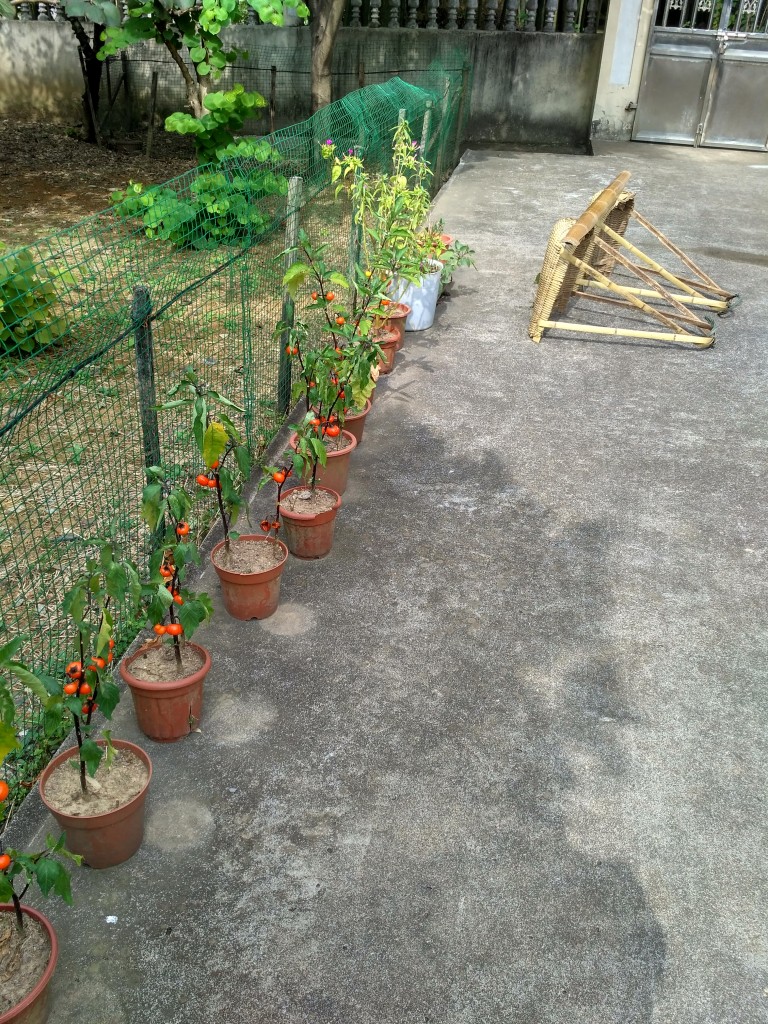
pixel 682 312
pixel 637 303
pixel 685 339
pixel 689 300
pixel 705 279
pixel 597 211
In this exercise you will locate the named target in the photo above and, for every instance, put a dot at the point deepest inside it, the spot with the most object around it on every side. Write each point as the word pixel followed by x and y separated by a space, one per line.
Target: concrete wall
pixel 528 89
pixel 626 40
pixel 40 77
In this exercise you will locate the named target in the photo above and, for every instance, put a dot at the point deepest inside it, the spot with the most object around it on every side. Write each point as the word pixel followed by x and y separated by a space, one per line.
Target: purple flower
pixel 350 152
pixel 329 142
pixel 414 143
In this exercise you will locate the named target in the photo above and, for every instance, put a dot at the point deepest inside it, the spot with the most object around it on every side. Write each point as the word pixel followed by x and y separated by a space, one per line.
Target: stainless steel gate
pixel 705 81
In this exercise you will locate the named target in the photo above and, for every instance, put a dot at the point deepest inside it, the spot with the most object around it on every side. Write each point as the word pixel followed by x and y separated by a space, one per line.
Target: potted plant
pixel 166 676
pixel 96 790
pixel 337 375
pixel 249 566
pixel 28 941
pixel 308 511
pixel 391 210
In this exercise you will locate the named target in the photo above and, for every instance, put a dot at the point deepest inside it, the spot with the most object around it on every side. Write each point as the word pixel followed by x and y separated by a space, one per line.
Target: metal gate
pixel 705 81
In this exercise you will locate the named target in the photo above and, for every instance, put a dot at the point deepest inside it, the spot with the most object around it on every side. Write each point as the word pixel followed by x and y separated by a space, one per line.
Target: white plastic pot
pixel 422 298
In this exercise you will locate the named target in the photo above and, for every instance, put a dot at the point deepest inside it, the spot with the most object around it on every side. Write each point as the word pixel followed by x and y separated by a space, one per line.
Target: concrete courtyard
pixel 501 757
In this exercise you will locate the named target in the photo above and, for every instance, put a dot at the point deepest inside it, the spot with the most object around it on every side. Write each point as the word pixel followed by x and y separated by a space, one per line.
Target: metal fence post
pixel 141 309
pixel 425 130
pixel 152 107
pixel 291 242
pixel 462 114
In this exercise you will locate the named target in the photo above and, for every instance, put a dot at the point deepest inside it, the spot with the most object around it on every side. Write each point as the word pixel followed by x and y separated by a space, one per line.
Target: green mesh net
pixel 192 269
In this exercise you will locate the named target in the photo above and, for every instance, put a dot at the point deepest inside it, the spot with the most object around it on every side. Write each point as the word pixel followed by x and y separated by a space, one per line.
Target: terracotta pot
pixel 335 473
pixel 251 595
pixel 387 340
pixel 102 840
pixel 167 711
pixel 34 1008
pixel 397 314
pixel 355 422
pixel 310 536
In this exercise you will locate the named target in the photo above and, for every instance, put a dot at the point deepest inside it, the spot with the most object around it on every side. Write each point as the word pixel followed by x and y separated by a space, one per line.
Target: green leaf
pixel 8 741
pixel 109 697
pixel 30 681
pixel 243 459
pixel 51 875
pixel 197 53
pixel 91 753
pixel 6 889
pixel 294 277
pixel 214 442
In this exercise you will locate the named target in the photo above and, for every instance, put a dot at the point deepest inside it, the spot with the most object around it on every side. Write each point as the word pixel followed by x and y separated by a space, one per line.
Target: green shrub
pixel 219 209
pixel 29 321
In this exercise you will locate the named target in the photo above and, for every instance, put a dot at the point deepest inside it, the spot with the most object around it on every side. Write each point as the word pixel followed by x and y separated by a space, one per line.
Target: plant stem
pixel 17 911
pixel 222 512
pixel 177 651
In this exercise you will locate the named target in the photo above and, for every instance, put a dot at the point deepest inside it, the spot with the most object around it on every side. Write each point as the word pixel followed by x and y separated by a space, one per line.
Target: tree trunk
pixel 326 17
pixel 92 75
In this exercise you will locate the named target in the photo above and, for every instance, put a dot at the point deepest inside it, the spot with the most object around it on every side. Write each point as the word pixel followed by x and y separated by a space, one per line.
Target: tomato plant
pixel 109 581
pixel 47 868
pixel 172 609
pixel 221 445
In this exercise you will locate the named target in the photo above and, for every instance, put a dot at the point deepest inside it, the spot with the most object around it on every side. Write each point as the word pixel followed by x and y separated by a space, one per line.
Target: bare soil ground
pixel 50 179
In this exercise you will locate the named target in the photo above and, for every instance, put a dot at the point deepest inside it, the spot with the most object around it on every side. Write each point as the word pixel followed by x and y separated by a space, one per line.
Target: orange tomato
pixel 74 669
pixel 5 860
pixel 182 529
pixel 70 688
pixel 330 296
pixel 98 662
pixel 174 629
pixel 202 479
pixel 3 790
pixel 159 629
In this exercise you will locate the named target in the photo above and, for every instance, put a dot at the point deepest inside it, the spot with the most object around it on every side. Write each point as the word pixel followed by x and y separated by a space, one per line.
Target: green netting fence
pixel 191 278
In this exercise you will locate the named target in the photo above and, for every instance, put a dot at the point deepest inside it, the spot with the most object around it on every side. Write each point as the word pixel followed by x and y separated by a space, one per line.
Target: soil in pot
pixel 308 502
pixel 248 557
pixel 107 790
pixel 24 958
pixel 157 663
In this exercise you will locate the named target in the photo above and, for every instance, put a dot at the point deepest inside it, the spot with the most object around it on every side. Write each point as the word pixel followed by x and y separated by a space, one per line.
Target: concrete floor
pixel 501 757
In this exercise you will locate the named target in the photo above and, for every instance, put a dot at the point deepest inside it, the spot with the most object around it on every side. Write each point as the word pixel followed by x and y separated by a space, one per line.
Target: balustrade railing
pixel 433 15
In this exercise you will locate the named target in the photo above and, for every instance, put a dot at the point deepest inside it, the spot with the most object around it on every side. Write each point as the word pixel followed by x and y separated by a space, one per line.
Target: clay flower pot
pixel 34 1007
pixel 102 840
pixel 335 473
pixel 355 422
pixel 397 314
pixel 309 536
pixel 166 711
pixel 251 595
pixel 387 340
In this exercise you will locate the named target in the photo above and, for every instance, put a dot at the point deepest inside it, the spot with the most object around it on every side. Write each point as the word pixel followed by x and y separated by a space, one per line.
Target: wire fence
pixel 193 268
